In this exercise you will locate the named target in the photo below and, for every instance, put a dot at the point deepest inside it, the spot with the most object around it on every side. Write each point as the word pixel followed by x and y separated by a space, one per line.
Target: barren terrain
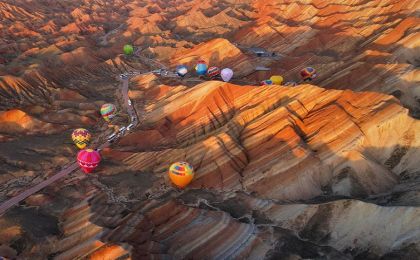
pixel 326 170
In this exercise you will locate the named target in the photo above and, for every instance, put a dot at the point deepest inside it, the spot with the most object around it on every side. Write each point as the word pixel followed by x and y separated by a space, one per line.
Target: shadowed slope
pixel 261 163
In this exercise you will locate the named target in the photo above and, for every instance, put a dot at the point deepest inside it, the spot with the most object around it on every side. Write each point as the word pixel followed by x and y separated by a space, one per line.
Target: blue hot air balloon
pixel 201 69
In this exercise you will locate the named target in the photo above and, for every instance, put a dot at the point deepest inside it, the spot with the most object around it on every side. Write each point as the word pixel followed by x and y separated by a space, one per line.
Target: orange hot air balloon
pixel 181 174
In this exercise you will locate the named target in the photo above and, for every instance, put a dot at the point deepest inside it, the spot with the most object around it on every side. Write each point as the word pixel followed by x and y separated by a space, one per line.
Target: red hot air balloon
pixel 213 72
pixel 88 159
pixel 308 74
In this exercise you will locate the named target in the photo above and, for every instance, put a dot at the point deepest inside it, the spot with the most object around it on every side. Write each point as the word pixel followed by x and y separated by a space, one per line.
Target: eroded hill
pixel 328 170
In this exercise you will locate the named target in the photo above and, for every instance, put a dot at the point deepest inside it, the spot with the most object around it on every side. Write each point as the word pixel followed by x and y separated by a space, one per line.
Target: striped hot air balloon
pixel 81 137
pixel 88 160
pixel 308 73
pixel 108 111
pixel 181 174
pixel 213 72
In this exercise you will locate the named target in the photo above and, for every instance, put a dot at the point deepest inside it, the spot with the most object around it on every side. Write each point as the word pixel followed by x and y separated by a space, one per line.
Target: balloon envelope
pixel 290 83
pixel 88 160
pixel 213 72
pixel 308 73
pixel 181 70
pixel 226 74
pixel 108 111
pixel 266 82
pixel 201 68
pixel 277 79
pixel 81 137
pixel 128 49
pixel 181 174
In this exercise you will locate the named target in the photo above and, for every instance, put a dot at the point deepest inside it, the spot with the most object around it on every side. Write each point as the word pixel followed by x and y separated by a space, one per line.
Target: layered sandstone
pixel 322 170
pixel 261 162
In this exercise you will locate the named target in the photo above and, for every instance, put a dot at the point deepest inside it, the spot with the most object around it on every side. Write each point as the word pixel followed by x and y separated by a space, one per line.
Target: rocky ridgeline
pixel 281 172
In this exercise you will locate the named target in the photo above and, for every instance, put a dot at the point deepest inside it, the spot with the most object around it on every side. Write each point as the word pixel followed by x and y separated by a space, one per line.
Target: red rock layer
pixel 291 145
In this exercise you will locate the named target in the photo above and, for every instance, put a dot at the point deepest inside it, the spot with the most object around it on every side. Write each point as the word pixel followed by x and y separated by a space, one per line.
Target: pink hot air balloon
pixel 88 160
pixel 226 74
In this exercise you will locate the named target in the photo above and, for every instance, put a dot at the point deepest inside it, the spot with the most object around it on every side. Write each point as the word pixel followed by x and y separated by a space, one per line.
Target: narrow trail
pixel 128 105
pixel 74 165
pixel 15 200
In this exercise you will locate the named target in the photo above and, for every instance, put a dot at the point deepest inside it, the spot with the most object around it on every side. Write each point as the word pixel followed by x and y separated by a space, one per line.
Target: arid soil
pixel 326 170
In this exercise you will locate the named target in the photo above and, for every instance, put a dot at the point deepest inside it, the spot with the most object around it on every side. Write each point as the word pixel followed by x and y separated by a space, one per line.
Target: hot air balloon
pixel 277 79
pixel 80 137
pixel 108 111
pixel 290 84
pixel 226 74
pixel 88 159
pixel 181 174
pixel 308 73
pixel 213 72
pixel 128 49
pixel 266 82
pixel 181 70
pixel 201 68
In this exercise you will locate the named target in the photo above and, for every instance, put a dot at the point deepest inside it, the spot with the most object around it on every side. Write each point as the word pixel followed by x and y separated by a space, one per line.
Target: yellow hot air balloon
pixel 181 174
pixel 81 137
pixel 277 79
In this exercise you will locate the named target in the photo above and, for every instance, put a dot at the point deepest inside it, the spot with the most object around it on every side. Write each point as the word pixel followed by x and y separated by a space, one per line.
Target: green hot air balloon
pixel 128 49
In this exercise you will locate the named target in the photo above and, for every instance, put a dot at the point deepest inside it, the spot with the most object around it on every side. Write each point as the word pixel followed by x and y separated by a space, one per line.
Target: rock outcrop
pixel 327 170
pixel 266 167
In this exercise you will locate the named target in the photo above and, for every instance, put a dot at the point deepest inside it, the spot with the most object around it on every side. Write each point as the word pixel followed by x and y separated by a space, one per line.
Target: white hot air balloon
pixel 181 70
pixel 226 74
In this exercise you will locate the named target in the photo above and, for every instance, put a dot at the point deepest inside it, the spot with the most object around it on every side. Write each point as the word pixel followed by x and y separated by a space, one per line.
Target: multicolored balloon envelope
pixel 226 74
pixel 266 82
pixel 128 49
pixel 308 73
pixel 108 111
pixel 277 79
pixel 201 69
pixel 213 72
pixel 181 70
pixel 88 160
pixel 181 174
pixel 80 137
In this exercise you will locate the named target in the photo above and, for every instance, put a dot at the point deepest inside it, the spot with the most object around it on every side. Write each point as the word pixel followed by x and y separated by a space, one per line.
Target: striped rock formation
pixel 358 45
pixel 315 171
pixel 276 171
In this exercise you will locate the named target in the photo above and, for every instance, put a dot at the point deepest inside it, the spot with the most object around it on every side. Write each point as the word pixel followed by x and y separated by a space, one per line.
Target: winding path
pixel 74 165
